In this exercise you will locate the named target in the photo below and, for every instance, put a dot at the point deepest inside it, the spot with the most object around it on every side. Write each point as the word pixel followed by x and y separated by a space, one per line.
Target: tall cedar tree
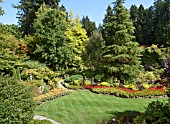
pixel 1 11
pixel 52 48
pixel 88 25
pixel 106 30
pixel 121 54
pixel 76 39
pixel 27 10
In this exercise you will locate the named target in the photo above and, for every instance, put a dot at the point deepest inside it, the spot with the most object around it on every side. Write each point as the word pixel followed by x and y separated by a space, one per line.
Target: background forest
pixel 129 47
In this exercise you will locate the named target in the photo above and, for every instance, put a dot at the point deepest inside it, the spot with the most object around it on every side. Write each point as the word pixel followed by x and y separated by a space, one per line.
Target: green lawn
pixel 84 107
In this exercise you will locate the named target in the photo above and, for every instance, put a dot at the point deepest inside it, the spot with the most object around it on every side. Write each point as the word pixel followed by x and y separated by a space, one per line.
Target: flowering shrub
pixel 74 87
pixel 54 93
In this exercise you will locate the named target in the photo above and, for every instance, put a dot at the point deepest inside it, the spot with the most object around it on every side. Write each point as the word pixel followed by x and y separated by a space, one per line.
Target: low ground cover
pixel 85 107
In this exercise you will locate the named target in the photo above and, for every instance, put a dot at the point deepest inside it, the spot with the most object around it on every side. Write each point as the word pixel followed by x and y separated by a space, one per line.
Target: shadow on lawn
pixel 125 117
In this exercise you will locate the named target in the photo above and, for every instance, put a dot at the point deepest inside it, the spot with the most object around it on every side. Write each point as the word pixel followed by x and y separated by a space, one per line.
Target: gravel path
pixel 61 86
pixel 39 117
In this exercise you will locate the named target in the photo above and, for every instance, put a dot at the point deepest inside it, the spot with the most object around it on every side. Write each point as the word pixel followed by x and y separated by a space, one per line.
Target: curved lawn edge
pixel 40 117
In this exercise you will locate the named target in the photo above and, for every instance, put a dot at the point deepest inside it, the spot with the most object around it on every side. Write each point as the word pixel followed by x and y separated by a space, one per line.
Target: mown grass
pixel 84 107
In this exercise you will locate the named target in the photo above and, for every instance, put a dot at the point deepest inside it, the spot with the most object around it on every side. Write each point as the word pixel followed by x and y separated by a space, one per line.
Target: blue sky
pixel 95 9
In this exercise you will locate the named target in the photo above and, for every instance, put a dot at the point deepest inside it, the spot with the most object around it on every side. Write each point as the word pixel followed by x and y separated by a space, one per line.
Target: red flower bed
pixel 157 88
pixel 125 92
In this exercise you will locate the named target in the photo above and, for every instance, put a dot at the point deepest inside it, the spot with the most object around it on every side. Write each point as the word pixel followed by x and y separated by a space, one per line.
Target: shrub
pixel 35 84
pixel 74 87
pixel 87 82
pixel 74 77
pixel 104 84
pixel 156 113
pixel 33 64
pixel 16 104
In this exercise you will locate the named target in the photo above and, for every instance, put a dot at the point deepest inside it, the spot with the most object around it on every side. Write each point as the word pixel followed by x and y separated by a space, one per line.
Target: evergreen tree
pixel 148 27
pixel 88 25
pixel 76 39
pixel 121 55
pixel 27 10
pixel 107 32
pixel 139 28
pixel 51 45
pixel 1 11
pixel 162 22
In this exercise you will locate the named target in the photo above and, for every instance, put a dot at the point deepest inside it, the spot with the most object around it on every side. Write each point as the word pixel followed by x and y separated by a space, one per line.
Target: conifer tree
pixel 106 30
pixel 26 12
pixel 88 25
pixel 121 55
pixel 162 22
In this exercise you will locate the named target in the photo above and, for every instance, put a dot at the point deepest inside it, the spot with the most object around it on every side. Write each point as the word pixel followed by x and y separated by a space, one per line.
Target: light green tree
pixel 92 55
pixel 76 39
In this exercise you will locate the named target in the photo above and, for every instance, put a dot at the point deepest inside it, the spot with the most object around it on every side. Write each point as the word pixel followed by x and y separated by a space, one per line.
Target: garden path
pixel 61 86
pixel 39 117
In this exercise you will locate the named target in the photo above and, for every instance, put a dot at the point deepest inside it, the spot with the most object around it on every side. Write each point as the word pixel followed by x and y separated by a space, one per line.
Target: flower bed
pixel 54 93
pixel 128 93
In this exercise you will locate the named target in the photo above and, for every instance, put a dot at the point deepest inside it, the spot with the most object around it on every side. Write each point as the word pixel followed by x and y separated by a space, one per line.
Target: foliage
pixel 16 105
pixel 76 39
pixel 51 46
pixel 42 73
pixel 104 84
pixel 11 55
pixel 121 55
pixel 16 74
pixel 147 76
pixel 31 64
pixel 35 85
pixel 152 24
pixel 73 78
pixel 156 112
pixel 106 30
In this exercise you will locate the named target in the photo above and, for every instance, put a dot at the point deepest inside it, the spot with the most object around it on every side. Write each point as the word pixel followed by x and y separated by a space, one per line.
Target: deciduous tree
pixel 76 39
pixel 51 46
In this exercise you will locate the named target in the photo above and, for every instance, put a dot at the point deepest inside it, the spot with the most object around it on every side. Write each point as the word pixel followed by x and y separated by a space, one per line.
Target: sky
pixel 94 9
